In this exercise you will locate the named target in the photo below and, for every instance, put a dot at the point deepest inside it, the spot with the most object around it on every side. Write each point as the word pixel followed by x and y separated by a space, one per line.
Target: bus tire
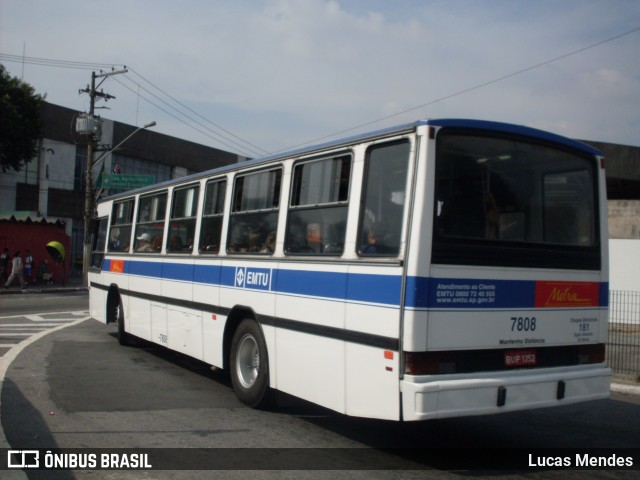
pixel 250 365
pixel 116 314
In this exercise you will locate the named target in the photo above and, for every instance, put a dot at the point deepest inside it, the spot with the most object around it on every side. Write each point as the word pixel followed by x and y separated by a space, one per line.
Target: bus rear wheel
pixel 250 365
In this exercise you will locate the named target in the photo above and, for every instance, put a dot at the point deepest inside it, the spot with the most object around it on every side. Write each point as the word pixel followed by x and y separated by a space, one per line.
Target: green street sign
pixel 127 181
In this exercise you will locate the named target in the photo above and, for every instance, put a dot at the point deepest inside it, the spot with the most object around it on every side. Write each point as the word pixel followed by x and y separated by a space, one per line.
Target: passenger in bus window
pixel 115 239
pixel 156 244
pixel 175 244
pixel 210 245
pixel 143 243
pixel 369 247
pixel 269 244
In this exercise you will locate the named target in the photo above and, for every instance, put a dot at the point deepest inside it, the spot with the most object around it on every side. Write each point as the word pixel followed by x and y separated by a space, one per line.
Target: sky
pixel 263 76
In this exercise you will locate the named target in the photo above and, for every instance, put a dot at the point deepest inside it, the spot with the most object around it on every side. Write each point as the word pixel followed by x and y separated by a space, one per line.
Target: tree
pixel 20 122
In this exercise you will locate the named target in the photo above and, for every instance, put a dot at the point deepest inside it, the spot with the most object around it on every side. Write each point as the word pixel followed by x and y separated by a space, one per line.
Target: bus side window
pixel 384 195
pixel 254 213
pixel 121 223
pixel 212 214
pixel 318 208
pixel 99 242
pixel 183 219
pixel 150 224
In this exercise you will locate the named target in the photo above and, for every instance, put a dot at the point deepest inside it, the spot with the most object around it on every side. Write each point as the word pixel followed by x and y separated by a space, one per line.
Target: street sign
pixel 127 181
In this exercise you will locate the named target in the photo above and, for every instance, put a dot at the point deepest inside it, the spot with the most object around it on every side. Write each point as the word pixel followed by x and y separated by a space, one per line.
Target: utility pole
pixel 93 125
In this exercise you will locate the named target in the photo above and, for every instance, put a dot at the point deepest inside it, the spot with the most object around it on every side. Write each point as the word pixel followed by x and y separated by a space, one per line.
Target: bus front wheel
pixel 115 313
pixel 250 365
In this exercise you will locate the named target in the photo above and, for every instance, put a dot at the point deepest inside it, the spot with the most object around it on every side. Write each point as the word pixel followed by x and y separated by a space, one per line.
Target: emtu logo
pixel 240 276
pixel 253 278
pixel 567 294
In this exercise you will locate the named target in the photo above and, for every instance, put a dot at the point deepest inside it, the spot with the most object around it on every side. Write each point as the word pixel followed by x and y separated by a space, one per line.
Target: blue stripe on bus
pixel 207 274
pixel 421 292
pixel 178 271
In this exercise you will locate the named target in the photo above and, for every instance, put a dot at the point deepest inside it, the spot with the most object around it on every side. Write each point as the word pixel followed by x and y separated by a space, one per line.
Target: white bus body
pixel 438 269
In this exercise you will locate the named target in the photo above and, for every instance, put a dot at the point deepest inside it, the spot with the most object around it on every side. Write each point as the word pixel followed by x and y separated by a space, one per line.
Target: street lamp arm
pixel 102 157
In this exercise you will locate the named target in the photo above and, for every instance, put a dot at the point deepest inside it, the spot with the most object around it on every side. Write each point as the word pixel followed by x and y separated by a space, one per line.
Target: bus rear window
pixel 508 201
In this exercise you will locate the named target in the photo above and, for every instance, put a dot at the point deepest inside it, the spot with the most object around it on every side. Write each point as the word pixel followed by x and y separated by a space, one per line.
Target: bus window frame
pixel 98 240
pixel 363 198
pixel 195 202
pixel 328 249
pixel 234 213
pixel 111 248
pixel 152 246
pixel 202 247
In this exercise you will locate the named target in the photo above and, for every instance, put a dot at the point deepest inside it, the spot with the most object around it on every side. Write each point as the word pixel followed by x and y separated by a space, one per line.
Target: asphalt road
pixel 77 388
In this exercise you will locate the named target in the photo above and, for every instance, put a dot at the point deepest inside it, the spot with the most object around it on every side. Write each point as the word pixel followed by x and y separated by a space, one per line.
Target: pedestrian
pixel 16 270
pixel 4 265
pixel 28 265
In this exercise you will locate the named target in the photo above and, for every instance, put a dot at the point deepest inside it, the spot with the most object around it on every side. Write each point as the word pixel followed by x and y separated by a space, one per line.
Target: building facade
pixel 50 190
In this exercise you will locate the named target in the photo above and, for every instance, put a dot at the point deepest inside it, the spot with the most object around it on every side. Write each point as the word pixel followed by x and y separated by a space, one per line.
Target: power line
pixel 247 148
pixel 471 89
pixel 198 115
pixel 219 137
pixel 175 115
pixel 49 62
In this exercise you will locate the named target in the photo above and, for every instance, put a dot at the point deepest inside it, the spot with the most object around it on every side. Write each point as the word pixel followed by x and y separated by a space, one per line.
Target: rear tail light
pixel 591 353
pixel 429 363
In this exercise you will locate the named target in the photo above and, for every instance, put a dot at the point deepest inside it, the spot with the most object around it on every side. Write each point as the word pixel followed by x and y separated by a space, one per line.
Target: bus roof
pixel 398 129
pixel 516 130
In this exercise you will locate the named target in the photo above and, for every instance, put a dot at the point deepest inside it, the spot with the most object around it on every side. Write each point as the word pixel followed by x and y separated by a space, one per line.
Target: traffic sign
pixel 127 181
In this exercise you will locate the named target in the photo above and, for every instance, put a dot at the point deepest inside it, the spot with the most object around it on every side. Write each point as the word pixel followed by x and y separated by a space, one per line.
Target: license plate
pixel 520 358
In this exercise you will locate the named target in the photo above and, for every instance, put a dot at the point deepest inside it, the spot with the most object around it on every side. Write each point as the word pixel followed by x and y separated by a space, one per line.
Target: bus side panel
pixel 311 365
pixel 144 278
pixel 184 332
pixel 184 326
pixel 97 299
pixel 372 380
pixel 206 290
pixel 159 332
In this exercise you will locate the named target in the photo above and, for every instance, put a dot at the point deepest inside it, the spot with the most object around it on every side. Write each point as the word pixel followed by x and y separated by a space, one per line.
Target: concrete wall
pixel 624 219
pixel 624 265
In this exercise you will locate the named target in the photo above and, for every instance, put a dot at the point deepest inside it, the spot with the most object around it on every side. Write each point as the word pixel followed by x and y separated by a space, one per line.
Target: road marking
pixel 75 313
pixel 15 350
pixel 33 325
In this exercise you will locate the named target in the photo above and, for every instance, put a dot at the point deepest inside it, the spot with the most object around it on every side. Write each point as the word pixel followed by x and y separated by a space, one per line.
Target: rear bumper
pixel 427 397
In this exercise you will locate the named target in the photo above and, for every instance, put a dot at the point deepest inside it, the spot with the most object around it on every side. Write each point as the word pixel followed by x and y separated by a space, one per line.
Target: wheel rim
pixel 248 361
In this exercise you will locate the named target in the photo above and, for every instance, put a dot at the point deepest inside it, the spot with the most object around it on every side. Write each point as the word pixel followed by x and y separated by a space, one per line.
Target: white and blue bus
pixel 441 268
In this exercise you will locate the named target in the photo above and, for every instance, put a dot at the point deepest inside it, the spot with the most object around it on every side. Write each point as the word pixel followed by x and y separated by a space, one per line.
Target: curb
pixel 625 389
pixel 27 291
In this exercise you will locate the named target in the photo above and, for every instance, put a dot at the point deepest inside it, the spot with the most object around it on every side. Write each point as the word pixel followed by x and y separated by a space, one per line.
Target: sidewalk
pixel 73 284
